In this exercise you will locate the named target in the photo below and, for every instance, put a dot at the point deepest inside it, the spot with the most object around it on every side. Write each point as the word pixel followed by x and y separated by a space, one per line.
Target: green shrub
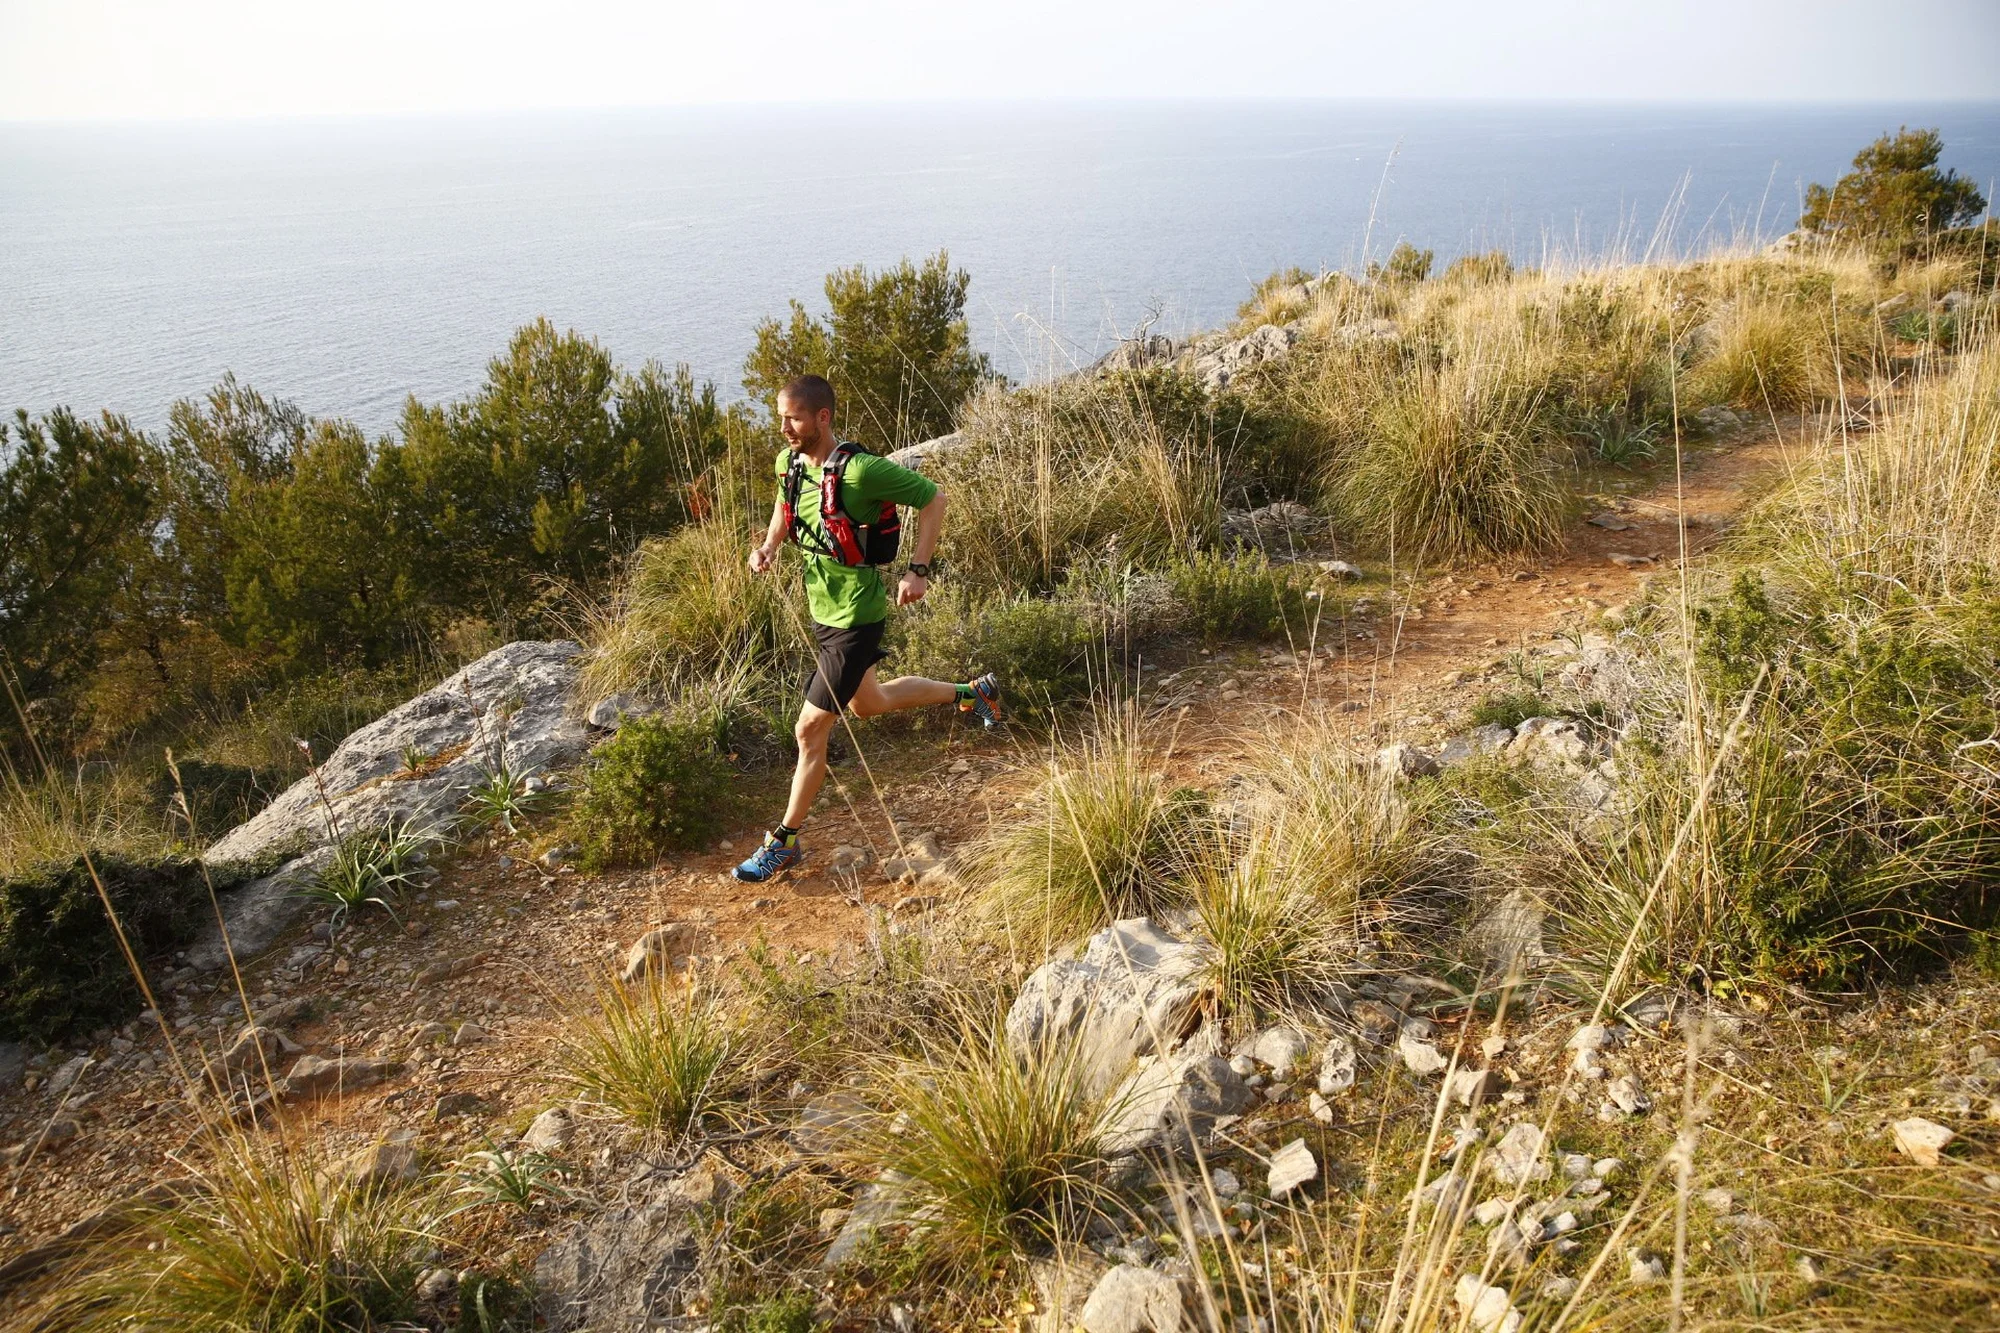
pixel 1510 708
pixel 1406 264
pixel 1040 645
pixel 1492 266
pixel 662 1057
pixel 61 970
pixel 1234 596
pixel 655 787
pixel 787 1312
pixel 1849 836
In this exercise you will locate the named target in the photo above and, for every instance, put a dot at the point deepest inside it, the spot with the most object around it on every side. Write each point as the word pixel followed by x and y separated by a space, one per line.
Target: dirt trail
pixel 546 936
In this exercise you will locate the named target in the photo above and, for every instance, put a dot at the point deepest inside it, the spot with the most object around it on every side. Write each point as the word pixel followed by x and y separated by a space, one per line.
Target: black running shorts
pixel 844 658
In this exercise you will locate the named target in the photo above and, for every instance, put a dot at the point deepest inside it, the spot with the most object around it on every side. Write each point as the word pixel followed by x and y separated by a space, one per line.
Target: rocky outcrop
pixel 509 709
pixel 628 1269
pixel 1132 993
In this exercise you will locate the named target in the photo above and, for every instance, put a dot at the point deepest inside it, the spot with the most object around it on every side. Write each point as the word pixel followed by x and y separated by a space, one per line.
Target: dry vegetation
pixel 1788 900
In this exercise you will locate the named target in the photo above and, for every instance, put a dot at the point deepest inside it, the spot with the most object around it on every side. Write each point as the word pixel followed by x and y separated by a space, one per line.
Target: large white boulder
pixel 510 709
pixel 1132 993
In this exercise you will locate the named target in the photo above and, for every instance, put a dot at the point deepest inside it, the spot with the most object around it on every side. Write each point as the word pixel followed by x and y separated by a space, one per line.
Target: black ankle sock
pixel 784 833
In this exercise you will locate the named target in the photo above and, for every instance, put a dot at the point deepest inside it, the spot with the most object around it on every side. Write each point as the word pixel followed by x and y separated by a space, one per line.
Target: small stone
pixel 1558 1288
pixel 387 1163
pixel 1922 1141
pixel 1575 1165
pixel 1626 560
pixel 1473 1087
pixel 1644 1266
pixel 663 948
pixel 455 1104
pixel 1519 1158
pixel 960 766
pixel 446 904
pixel 762 904
pixel 1610 522
pixel 1493 1047
pixel 1338 569
pixel 1420 1057
pixel 1131 1299
pixel 1282 1049
pixel 1336 1067
pixel 1489 1211
pixel 921 856
pixel 1719 1201
pixel 1225 1182
pixel 1608 1169
pixel 1809 1269
pixel 1628 1095
pixel 1291 1166
pixel 430 1032
pixel 436 1285
pixel 67 1076
pixel 469 1034
pixel 1320 1108
pixel 1244 1065
pixel 1485 1308
pixel 549 1132
pixel 1277 1093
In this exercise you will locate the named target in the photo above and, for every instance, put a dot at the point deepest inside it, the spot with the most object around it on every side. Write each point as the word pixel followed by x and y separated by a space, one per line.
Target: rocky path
pixel 435 1027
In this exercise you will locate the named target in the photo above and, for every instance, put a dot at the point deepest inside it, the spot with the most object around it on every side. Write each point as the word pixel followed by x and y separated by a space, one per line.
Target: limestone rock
pixel 13 1064
pixel 1402 761
pixel 1217 367
pixel 662 948
pixel 611 712
pixel 917 456
pixel 67 1076
pixel 452 1105
pixel 1644 1266
pixel 920 858
pixel 1471 1087
pixel 1550 742
pixel 382 1165
pixel 1130 1299
pixel 1509 936
pixel 1420 1056
pixel 1922 1141
pixel 1173 1101
pixel 1130 994
pixel 549 1132
pixel 1280 1049
pixel 1336 1067
pixel 1291 1166
pixel 1629 1095
pixel 257 1049
pixel 626 1270
pixel 1521 1156
pixel 1489 739
pixel 875 1206
pixel 1487 1309
pixel 511 705
pixel 316 1075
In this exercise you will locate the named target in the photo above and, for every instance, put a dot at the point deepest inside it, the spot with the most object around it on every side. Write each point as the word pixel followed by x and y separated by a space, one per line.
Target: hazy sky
pixel 70 59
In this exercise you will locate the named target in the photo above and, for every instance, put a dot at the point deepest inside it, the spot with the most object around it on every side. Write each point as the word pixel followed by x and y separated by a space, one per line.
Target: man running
pixel 845 594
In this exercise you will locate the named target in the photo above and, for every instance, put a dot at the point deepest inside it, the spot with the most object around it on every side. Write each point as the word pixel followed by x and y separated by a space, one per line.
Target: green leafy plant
pixel 373 866
pixel 1894 192
pixel 1244 595
pixel 512 1179
pixel 1042 645
pixel 1510 708
pixel 656 787
pixel 500 799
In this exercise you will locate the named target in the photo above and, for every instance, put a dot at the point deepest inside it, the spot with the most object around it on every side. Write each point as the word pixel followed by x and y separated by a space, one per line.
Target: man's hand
pixel 912 589
pixel 762 559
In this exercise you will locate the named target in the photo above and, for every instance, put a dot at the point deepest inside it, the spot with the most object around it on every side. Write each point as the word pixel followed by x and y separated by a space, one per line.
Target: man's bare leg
pixel 814 727
pixel 875 698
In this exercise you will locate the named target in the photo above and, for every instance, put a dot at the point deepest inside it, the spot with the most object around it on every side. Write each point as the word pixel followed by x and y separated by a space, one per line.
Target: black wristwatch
pixel 921 570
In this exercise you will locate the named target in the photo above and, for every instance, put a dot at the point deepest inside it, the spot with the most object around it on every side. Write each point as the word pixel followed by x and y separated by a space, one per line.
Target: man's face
pixel 802 428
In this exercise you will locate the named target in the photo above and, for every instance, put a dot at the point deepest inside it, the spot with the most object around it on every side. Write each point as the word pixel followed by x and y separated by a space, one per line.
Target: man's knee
pixel 812 731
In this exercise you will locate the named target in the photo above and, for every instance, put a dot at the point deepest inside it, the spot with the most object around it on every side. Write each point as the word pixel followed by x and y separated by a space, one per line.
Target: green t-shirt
pixel 843 596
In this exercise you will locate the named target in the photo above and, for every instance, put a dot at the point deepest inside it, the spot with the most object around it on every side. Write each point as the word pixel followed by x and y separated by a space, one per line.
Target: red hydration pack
pixel 839 537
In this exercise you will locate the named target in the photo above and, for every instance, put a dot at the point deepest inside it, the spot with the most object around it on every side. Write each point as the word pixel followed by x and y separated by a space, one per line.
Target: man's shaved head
pixel 812 393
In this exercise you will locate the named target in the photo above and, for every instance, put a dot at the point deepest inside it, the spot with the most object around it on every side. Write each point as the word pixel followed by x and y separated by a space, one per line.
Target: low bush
pixel 204 800
pixel 1459 464
pixel 1231 596
pixel 62 972
pixel 1851 834
pixel 1275 946
pixel 658 786
pixel 1510 708
pixel 1041 646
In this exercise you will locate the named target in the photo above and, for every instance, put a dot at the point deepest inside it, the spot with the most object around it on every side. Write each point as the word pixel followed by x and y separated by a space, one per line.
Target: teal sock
pixel 965 692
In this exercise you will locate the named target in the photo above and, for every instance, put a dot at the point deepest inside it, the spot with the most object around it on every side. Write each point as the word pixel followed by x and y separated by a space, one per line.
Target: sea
pixel 346 265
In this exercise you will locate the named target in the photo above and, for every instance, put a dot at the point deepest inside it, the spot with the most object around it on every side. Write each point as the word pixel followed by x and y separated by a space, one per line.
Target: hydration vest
pixel 839 536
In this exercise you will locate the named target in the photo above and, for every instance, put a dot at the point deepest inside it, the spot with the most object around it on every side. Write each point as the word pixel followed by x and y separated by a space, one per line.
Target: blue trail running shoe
pixel 770 859
pixel 985 700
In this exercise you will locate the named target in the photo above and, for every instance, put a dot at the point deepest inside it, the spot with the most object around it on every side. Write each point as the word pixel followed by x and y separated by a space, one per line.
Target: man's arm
pixel 930 522
pixel 766 555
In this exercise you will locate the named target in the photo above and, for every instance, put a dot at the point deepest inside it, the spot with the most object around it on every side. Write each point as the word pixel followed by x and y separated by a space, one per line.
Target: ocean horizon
pixel 347 264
